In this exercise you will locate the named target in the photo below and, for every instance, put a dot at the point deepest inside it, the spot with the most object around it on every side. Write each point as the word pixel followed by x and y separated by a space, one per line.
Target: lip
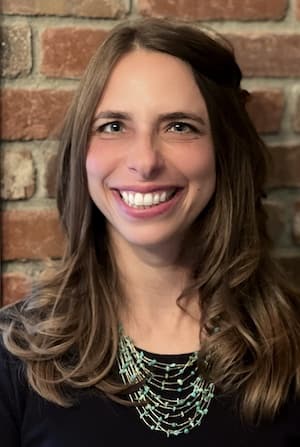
pixel 150 212
pixel 145 188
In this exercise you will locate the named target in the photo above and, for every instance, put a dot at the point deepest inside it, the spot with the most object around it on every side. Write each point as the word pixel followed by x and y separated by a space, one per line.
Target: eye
pixel 113 127
pixel 182 127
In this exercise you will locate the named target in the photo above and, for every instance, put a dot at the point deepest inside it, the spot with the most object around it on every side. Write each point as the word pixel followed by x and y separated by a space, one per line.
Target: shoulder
pixel 9 364
pixel 13 391
pixel 12 370
pixel 291 408
pixel 285 428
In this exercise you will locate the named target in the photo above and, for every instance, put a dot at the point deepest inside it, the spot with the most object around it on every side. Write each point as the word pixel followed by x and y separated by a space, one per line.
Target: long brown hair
pixel 67 330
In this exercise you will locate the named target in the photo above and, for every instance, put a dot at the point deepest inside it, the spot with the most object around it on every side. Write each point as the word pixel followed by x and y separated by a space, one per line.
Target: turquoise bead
pixel 161 411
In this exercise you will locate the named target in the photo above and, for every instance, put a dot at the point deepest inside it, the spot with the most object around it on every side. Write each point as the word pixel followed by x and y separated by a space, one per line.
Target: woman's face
pixel 150 161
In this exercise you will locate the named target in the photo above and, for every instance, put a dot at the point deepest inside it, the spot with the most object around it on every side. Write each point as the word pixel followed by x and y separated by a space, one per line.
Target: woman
pixel 167 321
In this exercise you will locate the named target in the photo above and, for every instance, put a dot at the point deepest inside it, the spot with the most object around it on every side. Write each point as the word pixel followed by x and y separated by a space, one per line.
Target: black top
pixel 27 420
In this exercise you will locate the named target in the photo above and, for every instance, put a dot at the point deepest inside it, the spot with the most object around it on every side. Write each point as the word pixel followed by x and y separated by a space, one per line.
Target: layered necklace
pixel 173 397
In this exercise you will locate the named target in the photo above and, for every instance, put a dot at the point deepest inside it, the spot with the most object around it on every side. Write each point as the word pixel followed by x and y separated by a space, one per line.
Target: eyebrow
pixel 182 115
pixel 118 115
pixel 112 115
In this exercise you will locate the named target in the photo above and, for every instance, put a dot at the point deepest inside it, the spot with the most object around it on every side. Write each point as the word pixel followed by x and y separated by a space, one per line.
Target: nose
pixel 145 157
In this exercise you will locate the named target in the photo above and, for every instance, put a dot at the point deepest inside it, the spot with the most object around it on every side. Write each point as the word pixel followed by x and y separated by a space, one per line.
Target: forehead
pixel 151 77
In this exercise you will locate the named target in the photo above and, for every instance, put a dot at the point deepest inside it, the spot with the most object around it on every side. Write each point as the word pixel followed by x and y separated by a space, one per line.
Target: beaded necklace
pixel 173 397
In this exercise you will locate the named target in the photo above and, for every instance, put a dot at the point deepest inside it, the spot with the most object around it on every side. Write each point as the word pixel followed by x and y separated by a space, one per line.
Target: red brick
pixel 50 178
pixel 17 175
pixel 285 170
pixel 14 287
pixel 217 9
pixel 296 117
pixel 31 234
pixel 296 223
pixel 67 51
pixel 16 58
pixel 81 8
pixel 266 110
pixel 33 114
pixel 291 264
pixel 267 54
pixel 276 219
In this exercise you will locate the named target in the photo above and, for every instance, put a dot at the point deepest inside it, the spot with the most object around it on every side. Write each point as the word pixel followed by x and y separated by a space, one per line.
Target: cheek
pixel 102 158
pixel 199 165
pixel 97 164
pixel 91 165
pixel 92 162
pixel 96 174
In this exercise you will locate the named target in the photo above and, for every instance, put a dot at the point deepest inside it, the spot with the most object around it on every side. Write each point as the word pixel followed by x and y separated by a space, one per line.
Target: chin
pixel 151 240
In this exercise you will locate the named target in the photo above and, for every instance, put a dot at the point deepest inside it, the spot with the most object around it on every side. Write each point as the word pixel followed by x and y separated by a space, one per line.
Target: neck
pixel 152 280
pixel 152 276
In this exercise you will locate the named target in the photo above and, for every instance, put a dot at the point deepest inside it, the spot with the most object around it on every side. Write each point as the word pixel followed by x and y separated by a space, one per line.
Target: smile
pixel 150 199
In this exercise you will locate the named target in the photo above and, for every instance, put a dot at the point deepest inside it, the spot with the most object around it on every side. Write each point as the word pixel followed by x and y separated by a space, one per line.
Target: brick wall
pixel 45 46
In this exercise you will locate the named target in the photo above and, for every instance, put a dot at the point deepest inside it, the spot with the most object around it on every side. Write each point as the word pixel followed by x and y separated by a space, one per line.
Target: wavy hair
pixel 66 332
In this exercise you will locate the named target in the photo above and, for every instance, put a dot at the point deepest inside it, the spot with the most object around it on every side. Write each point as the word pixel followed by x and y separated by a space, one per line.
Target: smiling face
pixel 150 161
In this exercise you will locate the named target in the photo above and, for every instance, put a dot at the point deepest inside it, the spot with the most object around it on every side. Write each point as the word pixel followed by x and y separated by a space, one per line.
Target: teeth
pixel 148 200
pixel 137 199
pixel 130 199
pixel 156 199
pixel 163 197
